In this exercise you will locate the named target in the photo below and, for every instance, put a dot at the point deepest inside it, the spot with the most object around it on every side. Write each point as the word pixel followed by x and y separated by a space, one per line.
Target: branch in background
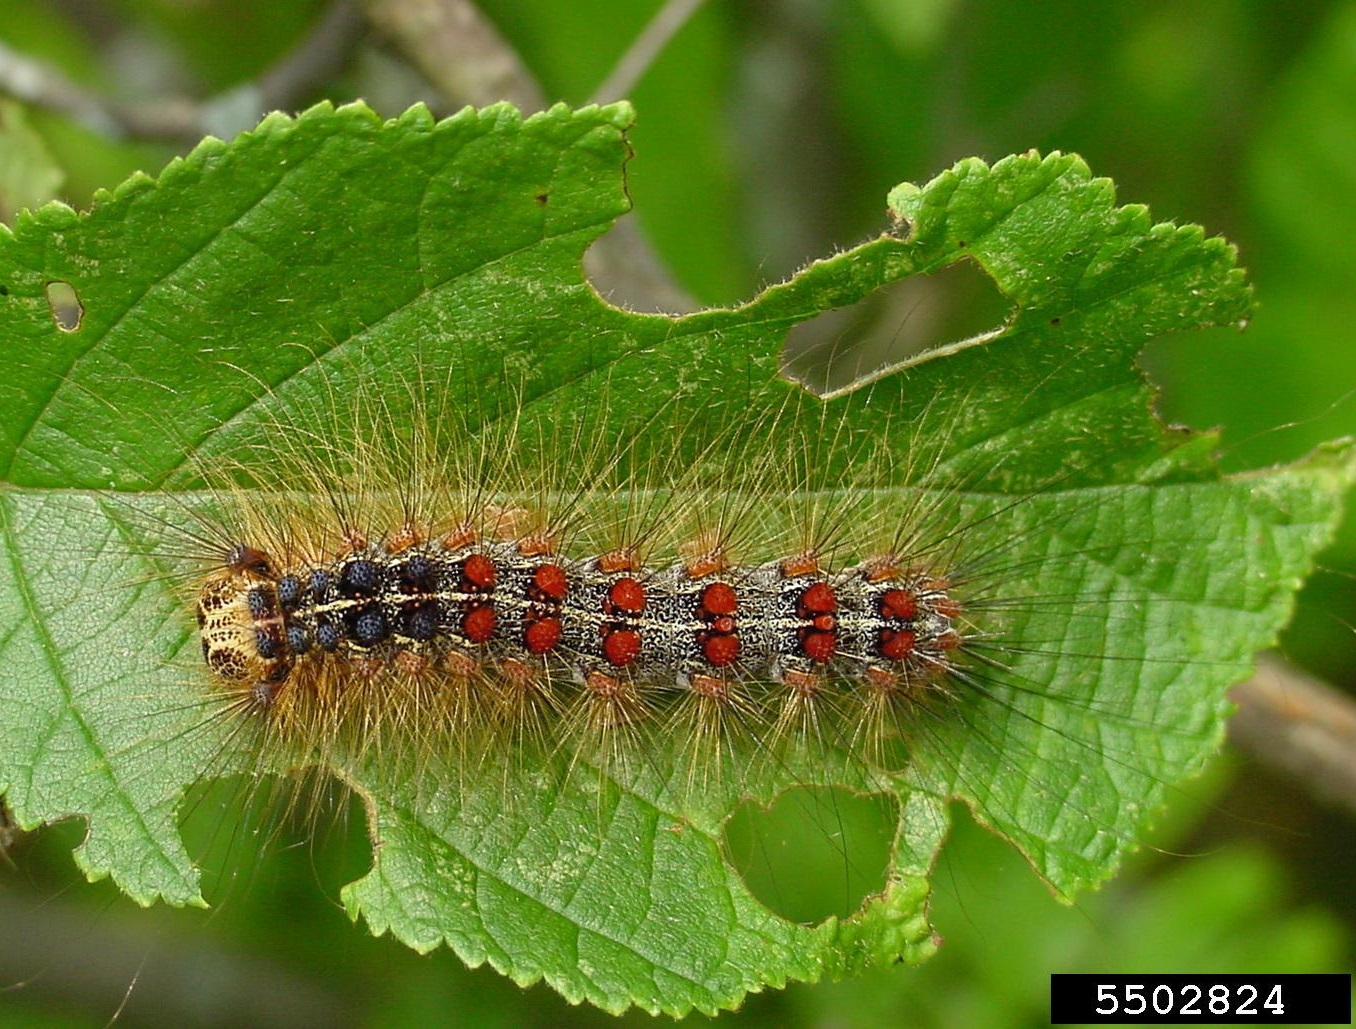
pixel 449 41
pixel 641 54
pixel 459 51
pixel 68 959
pixel 315 59
pixel 41 85
pixel 1300 726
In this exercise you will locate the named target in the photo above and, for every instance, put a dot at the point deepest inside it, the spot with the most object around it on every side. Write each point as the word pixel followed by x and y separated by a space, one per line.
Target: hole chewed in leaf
pixel 493 834
pixel 906 322
pixel 67 310
pixel 815 852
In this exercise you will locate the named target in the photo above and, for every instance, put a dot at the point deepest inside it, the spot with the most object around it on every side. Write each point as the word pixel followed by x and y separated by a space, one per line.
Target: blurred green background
pixel 768 134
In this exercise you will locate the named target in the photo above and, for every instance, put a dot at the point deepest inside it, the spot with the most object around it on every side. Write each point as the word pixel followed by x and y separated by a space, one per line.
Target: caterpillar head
pixel 239 621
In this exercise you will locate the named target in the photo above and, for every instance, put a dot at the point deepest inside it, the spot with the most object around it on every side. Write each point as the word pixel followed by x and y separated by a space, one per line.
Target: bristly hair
pixel 465 707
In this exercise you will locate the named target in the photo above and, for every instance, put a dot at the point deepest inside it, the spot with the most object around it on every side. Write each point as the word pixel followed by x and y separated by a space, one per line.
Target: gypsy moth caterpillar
pixel 1114 606
pixel 1048 720
pixel 1054 707
pixel 317 501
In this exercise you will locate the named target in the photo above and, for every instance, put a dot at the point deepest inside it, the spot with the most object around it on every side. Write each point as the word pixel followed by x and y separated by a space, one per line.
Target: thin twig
pixel 1300 726
pixel 647 46
pixel 39 84
pixel 316 59
pixel 57 952
pixel 312 61
pixel 459 51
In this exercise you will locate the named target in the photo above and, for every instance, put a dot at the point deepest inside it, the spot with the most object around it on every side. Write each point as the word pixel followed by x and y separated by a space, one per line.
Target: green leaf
pixel 333 256
pixel 28 174
pixel 996 965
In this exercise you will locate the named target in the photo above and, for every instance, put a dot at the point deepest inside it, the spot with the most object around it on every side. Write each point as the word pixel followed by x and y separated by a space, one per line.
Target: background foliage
pixel 768 134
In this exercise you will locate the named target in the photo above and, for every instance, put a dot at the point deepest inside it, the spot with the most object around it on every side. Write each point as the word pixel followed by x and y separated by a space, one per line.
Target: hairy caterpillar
pixel 1102 582
pixel 990 704
pixel 463 614
pixel 1012 717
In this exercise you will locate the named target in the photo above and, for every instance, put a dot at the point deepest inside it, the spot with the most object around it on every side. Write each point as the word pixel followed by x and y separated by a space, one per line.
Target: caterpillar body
pixel 460 634
pixel 991 578
pixel 608 627
pixel 413 604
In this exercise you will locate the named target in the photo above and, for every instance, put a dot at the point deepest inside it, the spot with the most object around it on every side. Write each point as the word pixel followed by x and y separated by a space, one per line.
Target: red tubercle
pixel 719 598
pixel 819 647
pixel 542 635
pixel 896 645
pixel 551 580
pixel 621 647
pixel 716 606
pixel 816 599
pixel 478 625
pixel 627 596
pixel 899 604
pixel 478 572
pixel 721 650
